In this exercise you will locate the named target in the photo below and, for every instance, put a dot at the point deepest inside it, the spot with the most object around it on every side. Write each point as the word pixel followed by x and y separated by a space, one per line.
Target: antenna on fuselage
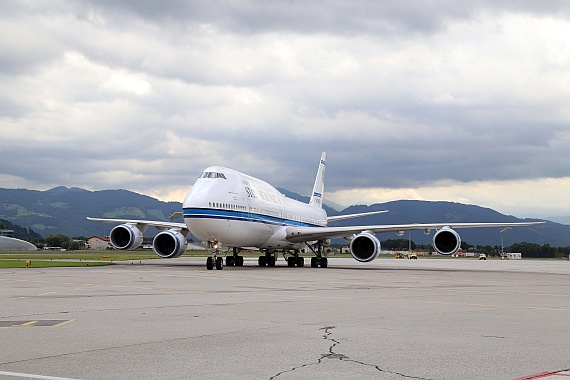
pixel 319 187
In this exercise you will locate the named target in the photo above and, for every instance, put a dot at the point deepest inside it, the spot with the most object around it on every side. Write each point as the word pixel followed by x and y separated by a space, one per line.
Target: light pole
pixel 503 231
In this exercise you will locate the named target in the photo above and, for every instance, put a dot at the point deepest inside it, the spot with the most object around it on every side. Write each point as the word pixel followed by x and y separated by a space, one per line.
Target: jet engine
pixel 446 241
pixel 364 247
pixel 126 236
pixel 170 244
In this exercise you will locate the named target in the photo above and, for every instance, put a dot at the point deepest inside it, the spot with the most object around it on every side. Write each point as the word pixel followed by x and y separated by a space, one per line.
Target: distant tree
pixel 56 240
pixel 395 244
pixel 535 250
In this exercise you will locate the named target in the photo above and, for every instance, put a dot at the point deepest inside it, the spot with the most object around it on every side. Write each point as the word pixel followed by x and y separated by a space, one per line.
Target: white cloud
pixel 539 197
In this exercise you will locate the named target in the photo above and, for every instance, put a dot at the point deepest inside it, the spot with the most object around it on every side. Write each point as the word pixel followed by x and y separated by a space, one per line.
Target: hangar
pixel 13 244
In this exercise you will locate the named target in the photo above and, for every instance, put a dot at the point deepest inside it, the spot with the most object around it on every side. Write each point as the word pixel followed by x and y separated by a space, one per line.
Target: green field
pixel 44 259
pixel 22 263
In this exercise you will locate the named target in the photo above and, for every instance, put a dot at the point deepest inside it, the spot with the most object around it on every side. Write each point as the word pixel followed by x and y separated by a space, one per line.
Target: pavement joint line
pixel 484 305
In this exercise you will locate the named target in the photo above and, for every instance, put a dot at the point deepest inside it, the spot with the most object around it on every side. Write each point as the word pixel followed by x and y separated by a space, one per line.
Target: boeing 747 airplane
pixel 234 210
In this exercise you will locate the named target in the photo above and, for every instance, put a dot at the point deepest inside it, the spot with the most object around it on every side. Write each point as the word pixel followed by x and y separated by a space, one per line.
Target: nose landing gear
pixel 214 259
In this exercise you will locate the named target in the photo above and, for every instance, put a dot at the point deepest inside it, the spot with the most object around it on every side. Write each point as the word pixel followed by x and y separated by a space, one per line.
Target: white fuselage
pixel 237 210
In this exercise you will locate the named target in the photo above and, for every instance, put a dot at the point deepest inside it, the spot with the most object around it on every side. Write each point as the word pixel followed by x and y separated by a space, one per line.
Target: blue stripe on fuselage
pixel 208 213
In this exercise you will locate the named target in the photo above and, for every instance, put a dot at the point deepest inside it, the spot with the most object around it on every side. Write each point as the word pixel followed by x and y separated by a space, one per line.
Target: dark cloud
pixel 145 94
pixel 334 17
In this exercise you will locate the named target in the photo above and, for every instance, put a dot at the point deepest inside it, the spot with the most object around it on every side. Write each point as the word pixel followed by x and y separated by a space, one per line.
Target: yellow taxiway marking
pixel 15 298
pixel 45 294
pixel 545 308
pixel 437 303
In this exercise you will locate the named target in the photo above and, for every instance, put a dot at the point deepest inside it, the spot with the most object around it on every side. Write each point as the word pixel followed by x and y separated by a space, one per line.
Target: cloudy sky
pixel 464 101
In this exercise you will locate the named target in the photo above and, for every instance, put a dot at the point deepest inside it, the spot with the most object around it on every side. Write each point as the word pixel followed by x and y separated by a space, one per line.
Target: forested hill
pixel 64 210
pixel 20 232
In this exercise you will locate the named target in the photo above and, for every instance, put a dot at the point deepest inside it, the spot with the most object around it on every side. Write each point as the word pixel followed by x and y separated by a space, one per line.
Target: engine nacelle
pixel 126 236
pixel 170 244
pixel 364 247
pixel 446 241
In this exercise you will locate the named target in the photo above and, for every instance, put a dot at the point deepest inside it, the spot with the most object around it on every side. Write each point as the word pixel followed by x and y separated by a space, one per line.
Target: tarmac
pixel 389 319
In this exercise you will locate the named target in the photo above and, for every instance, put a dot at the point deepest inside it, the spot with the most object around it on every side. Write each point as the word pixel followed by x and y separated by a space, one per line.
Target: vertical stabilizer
pixel 319 187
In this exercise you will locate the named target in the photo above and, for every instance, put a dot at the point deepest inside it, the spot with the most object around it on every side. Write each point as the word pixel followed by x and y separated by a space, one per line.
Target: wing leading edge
pixel 159 225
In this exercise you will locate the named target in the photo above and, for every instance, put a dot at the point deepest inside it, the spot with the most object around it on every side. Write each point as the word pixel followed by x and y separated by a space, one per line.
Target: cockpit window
pixel 213 175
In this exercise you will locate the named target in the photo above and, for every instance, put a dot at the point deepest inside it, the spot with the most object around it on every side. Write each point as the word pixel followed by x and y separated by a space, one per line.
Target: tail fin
pixel 319 187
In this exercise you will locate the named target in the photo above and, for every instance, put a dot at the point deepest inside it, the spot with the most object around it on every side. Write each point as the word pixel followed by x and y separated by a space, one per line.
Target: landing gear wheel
pixel 209 263
pixel 291 261
pixel 324 262
pixel 230 261
pixel 314 262
pixel 262 261
pixel 239 261
pixel 270 261
pixel 300 261
pixel 219 263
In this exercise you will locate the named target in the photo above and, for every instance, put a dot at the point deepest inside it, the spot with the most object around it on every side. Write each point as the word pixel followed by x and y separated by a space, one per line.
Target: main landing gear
pixel 295 259
pixel 319 260
pixel 268 259
pixel 235 259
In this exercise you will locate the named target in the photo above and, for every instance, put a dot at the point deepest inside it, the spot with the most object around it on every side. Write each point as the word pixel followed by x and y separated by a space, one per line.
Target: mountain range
pixel 63 210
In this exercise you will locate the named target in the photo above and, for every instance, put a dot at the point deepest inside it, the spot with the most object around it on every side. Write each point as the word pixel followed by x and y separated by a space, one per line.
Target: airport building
pixel 13 244
pixel 8 233
pixel 98 243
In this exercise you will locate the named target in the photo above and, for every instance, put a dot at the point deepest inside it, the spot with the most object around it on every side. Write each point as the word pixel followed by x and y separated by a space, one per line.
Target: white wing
pixel 159 225
pixel 304 234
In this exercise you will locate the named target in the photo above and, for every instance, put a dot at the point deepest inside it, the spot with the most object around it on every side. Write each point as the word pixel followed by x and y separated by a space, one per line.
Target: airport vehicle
pixel 412 256
pixel 482 256
pixel 228 208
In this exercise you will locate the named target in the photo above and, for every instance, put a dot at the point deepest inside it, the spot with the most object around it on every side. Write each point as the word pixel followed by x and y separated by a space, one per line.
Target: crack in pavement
pixel 332 354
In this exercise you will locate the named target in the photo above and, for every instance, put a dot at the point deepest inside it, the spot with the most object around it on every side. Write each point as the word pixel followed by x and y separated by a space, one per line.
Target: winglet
pixel 319 187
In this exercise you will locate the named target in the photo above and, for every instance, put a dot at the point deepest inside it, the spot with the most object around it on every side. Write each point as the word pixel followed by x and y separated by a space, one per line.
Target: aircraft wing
pixel 349 216
pixel 159 225
pixel 304 234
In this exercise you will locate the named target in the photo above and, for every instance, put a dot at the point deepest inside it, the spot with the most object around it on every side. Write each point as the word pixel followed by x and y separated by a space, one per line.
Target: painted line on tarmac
pixel 32 376
pixel 36 323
